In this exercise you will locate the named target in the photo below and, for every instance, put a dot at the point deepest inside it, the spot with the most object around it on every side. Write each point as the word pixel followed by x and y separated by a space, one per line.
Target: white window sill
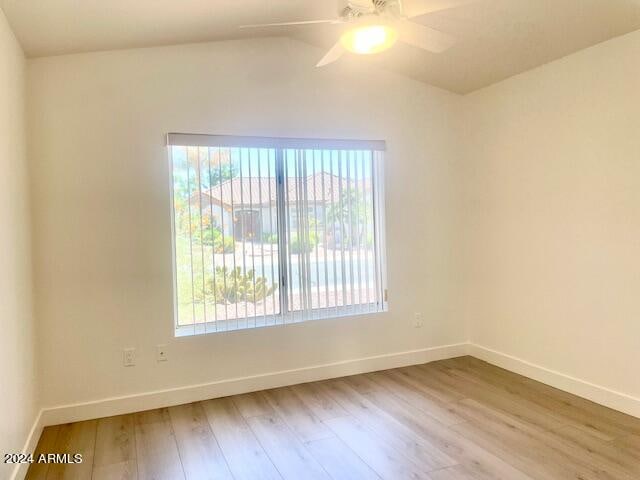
pixel 252 323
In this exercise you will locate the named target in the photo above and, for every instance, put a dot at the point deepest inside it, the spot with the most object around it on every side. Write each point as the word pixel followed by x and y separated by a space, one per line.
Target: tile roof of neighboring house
pixel 262 190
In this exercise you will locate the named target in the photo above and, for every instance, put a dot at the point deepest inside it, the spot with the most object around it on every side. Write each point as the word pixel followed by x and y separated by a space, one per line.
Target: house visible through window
pixel 275 231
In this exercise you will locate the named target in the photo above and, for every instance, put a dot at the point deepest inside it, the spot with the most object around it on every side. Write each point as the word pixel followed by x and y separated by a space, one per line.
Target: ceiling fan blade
pixel 416 8
pixel 332 55
pixel 424 37
pixel 286 24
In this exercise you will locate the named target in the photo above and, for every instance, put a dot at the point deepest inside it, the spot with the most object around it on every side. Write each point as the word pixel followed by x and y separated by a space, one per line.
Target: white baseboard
pixel 20 470
pixel 596 393
pixel 193 393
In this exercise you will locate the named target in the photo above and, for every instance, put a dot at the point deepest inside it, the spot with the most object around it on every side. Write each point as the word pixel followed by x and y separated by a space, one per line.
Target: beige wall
pixel 18 402
pixel 552 202
pixel 102 226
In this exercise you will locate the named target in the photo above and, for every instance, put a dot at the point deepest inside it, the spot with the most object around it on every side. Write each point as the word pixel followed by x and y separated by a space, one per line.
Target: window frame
pixel 280 145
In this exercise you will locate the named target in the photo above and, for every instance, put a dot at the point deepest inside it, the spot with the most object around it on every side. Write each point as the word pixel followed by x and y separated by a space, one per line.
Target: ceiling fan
pixel 374 26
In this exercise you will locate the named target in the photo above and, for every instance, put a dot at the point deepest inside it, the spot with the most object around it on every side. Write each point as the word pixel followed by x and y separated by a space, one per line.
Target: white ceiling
pixel 497 38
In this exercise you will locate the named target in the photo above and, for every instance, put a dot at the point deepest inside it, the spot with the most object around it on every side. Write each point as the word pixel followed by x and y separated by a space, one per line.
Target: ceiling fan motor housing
pixel 360 8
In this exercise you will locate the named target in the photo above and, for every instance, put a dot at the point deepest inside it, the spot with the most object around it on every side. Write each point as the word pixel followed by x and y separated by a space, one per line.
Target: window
pixel 275 231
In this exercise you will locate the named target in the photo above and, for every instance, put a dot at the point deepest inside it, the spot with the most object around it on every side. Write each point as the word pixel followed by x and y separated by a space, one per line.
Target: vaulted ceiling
pixel 497 38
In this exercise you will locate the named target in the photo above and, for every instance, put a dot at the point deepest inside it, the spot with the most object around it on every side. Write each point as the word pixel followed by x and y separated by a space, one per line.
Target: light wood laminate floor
pixel 457 419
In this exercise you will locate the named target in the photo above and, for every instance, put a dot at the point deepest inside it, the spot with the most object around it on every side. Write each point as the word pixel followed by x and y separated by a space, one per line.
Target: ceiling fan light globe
pixel 369 39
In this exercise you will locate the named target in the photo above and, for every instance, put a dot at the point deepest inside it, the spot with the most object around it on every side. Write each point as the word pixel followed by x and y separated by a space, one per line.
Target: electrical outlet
pixel 417 320
pixel 161 353
pixel 129 357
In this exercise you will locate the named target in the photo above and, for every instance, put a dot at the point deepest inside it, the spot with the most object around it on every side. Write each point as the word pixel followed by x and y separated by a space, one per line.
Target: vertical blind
pixel 270 231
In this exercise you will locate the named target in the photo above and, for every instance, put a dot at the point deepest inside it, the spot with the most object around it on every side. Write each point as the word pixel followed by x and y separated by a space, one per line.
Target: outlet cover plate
pixel 129 357
pixel 161 353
